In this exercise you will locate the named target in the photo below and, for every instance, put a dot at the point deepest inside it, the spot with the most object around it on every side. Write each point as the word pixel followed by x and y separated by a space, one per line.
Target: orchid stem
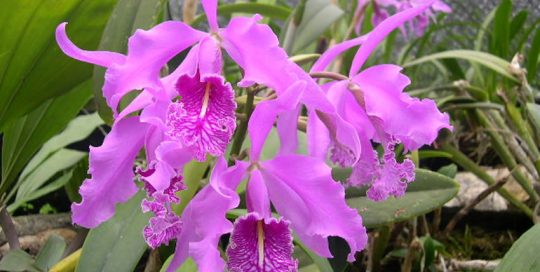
pixel 329 75
pixel 9 229
pixel 242 128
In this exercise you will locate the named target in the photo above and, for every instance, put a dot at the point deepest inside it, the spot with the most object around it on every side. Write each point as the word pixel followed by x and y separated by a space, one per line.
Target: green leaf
pixel 18 260
pixel 79 174
pixel 448 170
pixel 321 264
pixel 59 161
pixel 489 61
pixel 266 10
pixel 32 67
pixel 193 173
pixel 78 129
pixel 118 244
pixel 523 255
pixel 51 252
pixel 188 266
pixel 500 44
pixel 25 136
pixel 317 18
pixel 517 23
pixel 127 16
pixel 429 191
pixel 532 57
pixel 39 192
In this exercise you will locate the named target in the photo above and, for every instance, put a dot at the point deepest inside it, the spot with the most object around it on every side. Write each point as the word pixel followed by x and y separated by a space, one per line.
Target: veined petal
pixel 259 245
pixel 101 58
pixel 296 185
pixel 410 120
pixel 205 219
pixel 210 57
pixel 111 167
pixel 379 33
pixel 204 119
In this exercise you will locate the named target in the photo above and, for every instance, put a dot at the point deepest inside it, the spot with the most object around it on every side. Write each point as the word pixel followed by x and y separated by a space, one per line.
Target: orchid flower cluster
pixel 190 115
pixel 381 10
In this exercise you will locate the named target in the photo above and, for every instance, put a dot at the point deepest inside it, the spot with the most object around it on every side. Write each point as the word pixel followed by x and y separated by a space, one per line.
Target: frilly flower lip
pixel 204 119
pixel 373 101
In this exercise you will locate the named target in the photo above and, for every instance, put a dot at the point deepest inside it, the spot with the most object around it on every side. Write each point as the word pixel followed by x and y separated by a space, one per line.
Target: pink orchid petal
pixel 148 52
pixel 412 121
pixel 244 249
pixel 205 219
pixel 265 114
pixel 255 48
pixel 111 167
pixel 287 127
pixel 296 185
pixel 318 136
pixel 101 58
pixel 329 55
pixel 379 33
pixel 210 57
pixel 210 8
pixel 257 196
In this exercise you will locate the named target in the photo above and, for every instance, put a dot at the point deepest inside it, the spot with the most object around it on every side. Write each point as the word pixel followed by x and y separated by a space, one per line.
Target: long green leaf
pixel 18 260
pixel 500 44
pixel 127 16
pixel 533 57
pixel 51 252
pixel 490 61
pixel 318 16
pixel 32 67
pixel 523 255
pixel 25 136
pixel 118 244
pixel 430 190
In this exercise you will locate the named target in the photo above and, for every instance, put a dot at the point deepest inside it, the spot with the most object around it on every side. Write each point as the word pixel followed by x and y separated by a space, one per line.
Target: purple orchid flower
pixel 381 7
pixel 373 102
pixel 201 122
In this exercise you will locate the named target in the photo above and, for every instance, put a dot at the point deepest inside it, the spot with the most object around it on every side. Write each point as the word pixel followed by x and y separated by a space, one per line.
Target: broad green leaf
pixel 533 57
pixel 127 16
pixel 24 136
pixel 523 255
pixel 317 18
pixel 18 260
pixel 37 193
pixel 118 244
pixel 51 252
pixel 32 67
pixel 429 191
pixel 77 130
pixel 266 10
pixel 59 161
pixel 489 61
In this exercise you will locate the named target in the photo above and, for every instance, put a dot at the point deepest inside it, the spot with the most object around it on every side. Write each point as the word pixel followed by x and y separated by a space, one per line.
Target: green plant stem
pixel 380 241
pixel 241 131
pixel 518 121
pixel 461 159
pixel 9 229
pixel 506 156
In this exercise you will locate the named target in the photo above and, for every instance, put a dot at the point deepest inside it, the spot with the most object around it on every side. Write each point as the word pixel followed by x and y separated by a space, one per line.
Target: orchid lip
pixel 205 100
